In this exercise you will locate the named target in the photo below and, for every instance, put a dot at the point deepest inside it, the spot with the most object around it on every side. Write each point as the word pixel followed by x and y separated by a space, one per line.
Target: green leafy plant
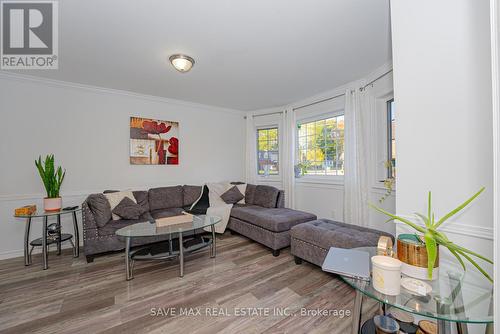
pixel 389 186
pixel 52 178
pixel 433 237
pixel 304 165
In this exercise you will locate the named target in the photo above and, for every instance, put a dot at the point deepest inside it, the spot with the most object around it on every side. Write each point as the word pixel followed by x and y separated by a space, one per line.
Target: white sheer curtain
pixel 355 158
pixel 289 126
pixel 251 151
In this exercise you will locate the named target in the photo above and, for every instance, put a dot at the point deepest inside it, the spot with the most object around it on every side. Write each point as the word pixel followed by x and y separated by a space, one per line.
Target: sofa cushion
pixel 142 198
pixel 266 196
pixel 232 196
pixel 191 194
pixel 250 193
pixel 99 205
pixel 114 225
pixel 162 213
pixel 165 198
pixel 272 219
pixel 327 233
pixel 128 209
pixel 116 197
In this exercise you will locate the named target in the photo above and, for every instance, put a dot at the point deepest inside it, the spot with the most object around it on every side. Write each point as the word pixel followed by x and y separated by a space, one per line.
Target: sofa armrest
pixel 280 203
pixel 88 220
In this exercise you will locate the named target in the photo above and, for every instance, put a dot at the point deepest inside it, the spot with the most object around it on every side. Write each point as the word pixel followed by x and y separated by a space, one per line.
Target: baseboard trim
pixel 20 252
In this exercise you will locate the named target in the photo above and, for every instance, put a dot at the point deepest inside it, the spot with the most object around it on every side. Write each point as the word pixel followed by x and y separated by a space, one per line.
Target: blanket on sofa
pixel 217 206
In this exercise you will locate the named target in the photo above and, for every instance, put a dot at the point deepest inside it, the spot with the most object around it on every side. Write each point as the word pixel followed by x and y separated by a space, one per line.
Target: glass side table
pixel 44 241
pixel 455 298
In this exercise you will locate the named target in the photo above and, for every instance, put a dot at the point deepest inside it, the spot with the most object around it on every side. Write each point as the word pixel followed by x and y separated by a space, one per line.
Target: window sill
pixel 339 181
pixel 380 186
pixel 273 178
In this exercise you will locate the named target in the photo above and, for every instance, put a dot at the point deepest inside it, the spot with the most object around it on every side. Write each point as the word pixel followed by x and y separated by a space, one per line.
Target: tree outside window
pixel 321 146
pixel 267 151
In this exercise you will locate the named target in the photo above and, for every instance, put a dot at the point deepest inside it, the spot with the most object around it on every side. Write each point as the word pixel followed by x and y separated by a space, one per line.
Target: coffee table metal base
pixel 136 255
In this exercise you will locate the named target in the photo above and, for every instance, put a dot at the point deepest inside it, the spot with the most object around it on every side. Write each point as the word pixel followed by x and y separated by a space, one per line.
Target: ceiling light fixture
pixel 181 63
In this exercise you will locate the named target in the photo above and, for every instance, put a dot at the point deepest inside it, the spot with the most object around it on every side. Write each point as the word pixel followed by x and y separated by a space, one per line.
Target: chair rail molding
pixel 454 227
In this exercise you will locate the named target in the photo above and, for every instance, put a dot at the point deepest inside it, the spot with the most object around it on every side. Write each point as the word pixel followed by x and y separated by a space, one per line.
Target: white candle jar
pixel 386 275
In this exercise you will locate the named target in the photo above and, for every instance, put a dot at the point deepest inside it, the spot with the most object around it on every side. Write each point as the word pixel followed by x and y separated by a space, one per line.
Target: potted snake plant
pixel 430 236
pixel 52 179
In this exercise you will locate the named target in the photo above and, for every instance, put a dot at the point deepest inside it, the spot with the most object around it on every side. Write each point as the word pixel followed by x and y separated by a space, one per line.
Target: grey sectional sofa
pixel 262 218
pixel 158 203
pixel 312 241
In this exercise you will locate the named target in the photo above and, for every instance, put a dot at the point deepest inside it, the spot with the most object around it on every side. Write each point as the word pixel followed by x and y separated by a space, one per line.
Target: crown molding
pixel 110 91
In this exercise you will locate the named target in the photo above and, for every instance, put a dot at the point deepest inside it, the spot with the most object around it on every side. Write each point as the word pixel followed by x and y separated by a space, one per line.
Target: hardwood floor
pixel 75 297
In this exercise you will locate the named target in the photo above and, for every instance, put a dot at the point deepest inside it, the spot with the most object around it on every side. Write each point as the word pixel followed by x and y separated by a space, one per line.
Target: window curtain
pixel 355 167
pixel 289 133
pixel 251 148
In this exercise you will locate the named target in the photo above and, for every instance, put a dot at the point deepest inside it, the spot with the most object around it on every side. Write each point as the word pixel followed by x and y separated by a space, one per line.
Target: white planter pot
pixel 52 204
pixel 419 272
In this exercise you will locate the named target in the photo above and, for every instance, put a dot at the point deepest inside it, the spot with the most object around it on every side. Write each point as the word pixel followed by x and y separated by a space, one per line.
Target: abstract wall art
pixel 153 142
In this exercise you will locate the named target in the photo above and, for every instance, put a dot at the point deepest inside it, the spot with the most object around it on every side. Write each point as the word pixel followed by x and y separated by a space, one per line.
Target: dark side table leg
pixel 59 234
pixel 76 252
pixel 44 243
pixel 27 254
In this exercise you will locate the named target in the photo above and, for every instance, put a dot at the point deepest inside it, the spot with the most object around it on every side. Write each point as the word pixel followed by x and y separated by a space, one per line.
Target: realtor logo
pixel 29 35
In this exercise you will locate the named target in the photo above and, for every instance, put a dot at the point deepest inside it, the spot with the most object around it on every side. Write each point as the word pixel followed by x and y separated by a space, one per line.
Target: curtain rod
pixel 271 113
pixel 320 101
pixel 327 99
pixel 377 78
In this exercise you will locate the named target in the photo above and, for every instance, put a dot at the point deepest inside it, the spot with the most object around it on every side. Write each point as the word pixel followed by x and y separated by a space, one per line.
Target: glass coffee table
pixel 147 229
pixel 456 297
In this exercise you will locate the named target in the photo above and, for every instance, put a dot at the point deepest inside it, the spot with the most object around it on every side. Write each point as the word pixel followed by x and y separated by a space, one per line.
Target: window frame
pixel 390 170
pixel 278 139
pixel 321 179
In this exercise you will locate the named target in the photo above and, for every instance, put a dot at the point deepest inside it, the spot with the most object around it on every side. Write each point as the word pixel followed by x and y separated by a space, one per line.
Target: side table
pixel 44 241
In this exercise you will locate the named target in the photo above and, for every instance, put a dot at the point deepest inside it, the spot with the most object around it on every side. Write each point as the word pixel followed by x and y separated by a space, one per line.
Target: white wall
pixel 495 64
pixel 443 91
pixel 88 131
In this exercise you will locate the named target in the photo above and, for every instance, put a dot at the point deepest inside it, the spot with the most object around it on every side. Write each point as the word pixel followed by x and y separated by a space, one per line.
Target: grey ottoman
pixel 311 241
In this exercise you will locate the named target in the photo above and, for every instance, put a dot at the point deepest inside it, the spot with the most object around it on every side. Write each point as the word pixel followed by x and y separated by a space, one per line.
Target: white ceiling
pixel 249 54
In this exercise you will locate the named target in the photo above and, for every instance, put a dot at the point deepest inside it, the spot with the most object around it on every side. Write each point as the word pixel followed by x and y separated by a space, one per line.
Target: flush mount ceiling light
pixel 181 63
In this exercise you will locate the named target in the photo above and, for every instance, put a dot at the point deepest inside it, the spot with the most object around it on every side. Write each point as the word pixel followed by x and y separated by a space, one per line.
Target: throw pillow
pixel 100 207
pixel 115 199
pixel 128 209
pixel 232 196
pixel 215 190
pixel 242 187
